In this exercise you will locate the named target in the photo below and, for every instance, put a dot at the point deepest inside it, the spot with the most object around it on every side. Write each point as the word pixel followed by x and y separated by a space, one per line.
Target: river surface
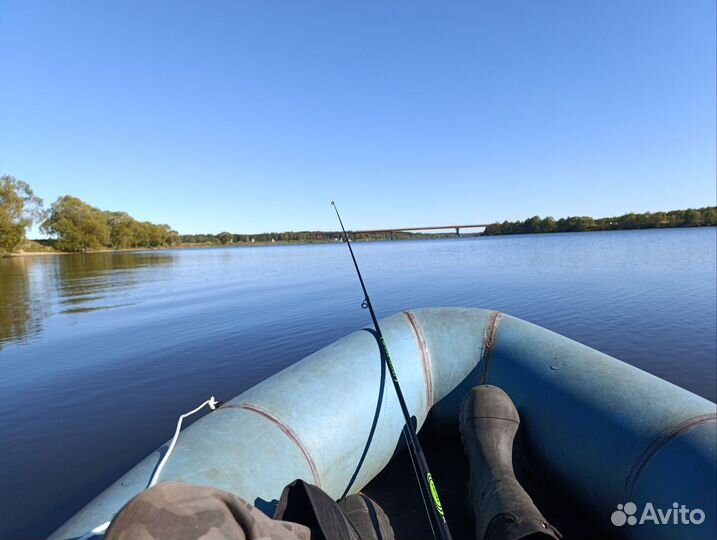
pixel 100 353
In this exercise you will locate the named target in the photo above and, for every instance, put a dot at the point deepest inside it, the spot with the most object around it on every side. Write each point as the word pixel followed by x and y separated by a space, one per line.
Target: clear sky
pixel 252 116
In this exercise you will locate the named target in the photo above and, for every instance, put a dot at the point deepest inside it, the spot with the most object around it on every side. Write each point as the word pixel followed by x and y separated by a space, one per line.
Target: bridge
pixel 457 228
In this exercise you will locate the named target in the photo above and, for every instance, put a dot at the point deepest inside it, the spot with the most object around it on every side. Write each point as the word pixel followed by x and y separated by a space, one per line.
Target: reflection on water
pixel 32 288
pixel 20 310
pixel 86 282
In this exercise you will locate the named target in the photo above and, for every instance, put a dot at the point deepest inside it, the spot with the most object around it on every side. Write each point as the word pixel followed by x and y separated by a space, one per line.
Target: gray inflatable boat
pixel 595 432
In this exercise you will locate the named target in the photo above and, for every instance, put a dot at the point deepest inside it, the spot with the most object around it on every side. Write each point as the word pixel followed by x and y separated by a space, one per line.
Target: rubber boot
pixel 502 508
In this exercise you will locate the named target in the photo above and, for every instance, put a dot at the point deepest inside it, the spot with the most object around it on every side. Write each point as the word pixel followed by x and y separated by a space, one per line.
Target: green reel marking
pixel 388 358
pixel 434 494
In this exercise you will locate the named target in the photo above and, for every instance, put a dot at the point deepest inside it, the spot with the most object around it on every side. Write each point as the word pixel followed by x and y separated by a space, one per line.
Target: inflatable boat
pixel 595 432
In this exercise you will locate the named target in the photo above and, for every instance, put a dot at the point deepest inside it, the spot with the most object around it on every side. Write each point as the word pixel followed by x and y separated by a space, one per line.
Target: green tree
pixel 709 215
pixel 172 236
pixel 155 234
pixel 77 225
pixel 532 225
pixel 225 237
pixel 19 209
pixel 140 234
pixel 693 218
pixel 122 229
pixel 547 225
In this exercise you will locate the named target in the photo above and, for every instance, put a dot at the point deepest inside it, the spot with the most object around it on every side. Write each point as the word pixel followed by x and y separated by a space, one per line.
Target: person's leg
pixel 177 511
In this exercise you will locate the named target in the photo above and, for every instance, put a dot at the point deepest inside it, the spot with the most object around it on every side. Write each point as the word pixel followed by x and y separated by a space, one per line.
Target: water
pixel 100 353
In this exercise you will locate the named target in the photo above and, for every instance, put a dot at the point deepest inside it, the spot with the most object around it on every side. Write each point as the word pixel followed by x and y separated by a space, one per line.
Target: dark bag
pixel 354 518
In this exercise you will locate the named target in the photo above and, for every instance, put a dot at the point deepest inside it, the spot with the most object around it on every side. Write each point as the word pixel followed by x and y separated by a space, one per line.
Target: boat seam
pixel 425 356
pixel 290 433
pixel 491 329
pixel 657 444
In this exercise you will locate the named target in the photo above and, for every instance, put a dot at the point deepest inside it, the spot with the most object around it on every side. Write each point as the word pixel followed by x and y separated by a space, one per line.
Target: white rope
pixel 100 529
pixel 213 404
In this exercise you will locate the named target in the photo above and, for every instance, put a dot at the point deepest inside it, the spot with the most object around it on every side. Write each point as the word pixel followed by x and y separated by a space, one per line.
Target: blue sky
pixel 252 116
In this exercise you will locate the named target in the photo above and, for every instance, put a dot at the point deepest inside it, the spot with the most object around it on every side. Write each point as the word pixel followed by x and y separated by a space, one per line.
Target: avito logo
pixel 677 515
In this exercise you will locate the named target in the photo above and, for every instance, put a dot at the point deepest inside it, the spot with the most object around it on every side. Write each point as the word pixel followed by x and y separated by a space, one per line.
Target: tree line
pixel 76 225
pixel 692 217
pixel 300 237
pixel 79 227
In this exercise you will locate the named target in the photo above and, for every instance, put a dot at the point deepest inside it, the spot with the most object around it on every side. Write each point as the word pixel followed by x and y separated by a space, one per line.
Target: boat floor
pixel 396 490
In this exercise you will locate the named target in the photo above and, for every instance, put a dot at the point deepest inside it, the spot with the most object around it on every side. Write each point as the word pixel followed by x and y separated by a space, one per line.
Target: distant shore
pixel 76 227
pixel 50 251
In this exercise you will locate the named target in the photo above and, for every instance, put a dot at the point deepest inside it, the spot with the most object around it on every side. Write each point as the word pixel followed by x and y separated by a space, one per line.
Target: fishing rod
pixel 425 480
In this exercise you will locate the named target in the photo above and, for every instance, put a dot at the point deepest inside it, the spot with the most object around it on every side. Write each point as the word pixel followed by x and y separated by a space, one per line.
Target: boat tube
pixel 606 432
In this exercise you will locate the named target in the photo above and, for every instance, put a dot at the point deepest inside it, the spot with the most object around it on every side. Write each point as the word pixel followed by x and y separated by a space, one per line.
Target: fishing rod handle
pixel 439 518
pixel 441 526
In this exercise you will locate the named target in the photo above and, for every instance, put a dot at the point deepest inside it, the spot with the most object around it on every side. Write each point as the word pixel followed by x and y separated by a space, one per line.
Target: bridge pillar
pixel 390 235
pixel 458 232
